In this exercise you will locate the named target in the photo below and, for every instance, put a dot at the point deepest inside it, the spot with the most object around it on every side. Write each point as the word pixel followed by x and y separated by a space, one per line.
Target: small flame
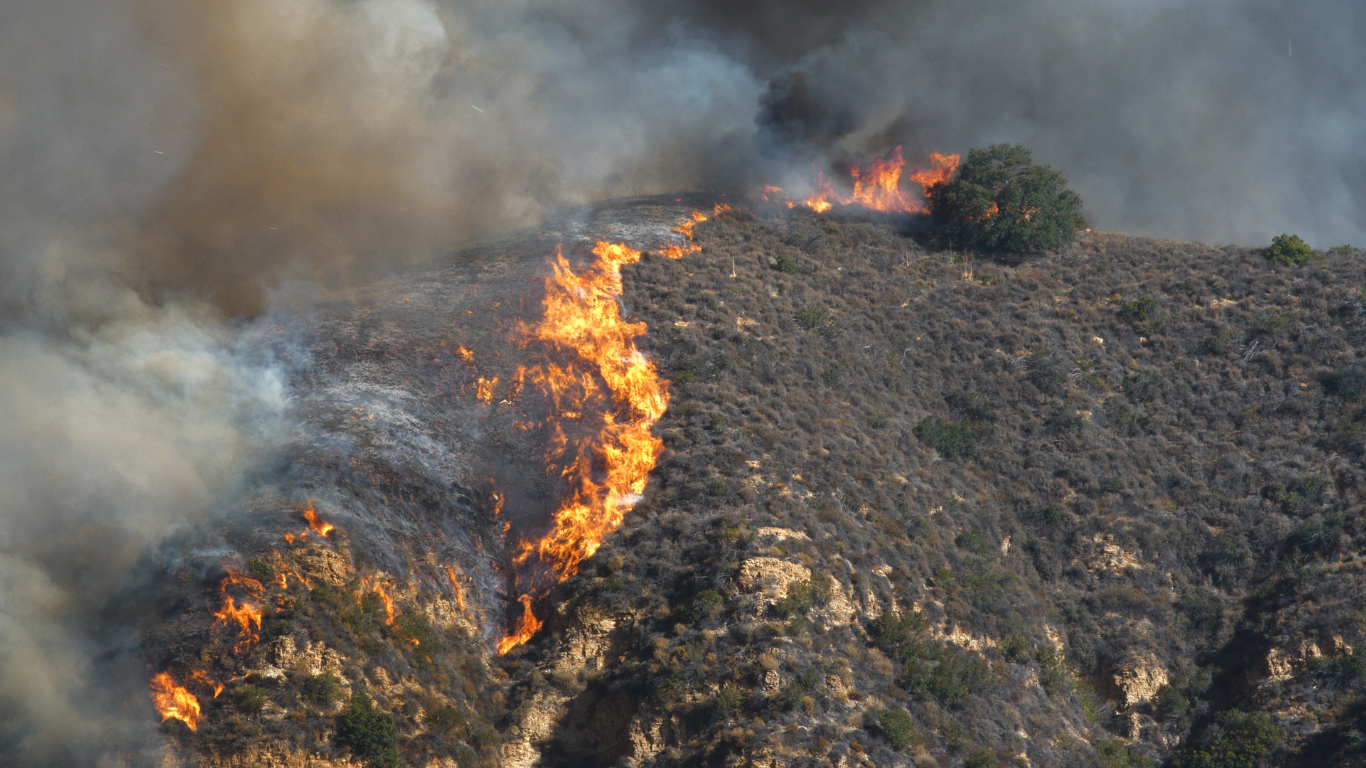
pixel 241 607
pixel 770 190
pixel 878 185
pixel 719 209
pixel 316 523
pixel 173 701
pixel 457 589
pixel 202 678
pixel 464 354
pixel 483 388
pixel 368 585
pixel 526 628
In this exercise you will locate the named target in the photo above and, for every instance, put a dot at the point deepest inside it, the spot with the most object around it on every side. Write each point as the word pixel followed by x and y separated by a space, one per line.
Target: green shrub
pixel 786 264
pixel 324 594
pixel 260 570
pixel 1066 421
pixel 323 689
pixel 1235 740
pixel 730 699
pixel 1344 250
pixel 811 318
pixel 1116 754
pixel 897 728
pixel 443 720
pixel 1015 647
pixel 370 734
pixel 1170 703
pixel 250 699
pixel 703 605
pixel 802 596
pixel 833 375
pixel 415 631
pixel 982 759
pixel 998 200
pixel 951 440
pixel 1289 251
pixel 1141 310
pixel 971 405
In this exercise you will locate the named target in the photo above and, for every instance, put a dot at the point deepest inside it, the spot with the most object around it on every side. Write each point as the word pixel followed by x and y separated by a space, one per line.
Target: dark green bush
pixel 444 720
pixel 786 264
pixel 414 629
pixel 951 440
pixel 1234 740
pixel 998 200
pixel 323 689
pixel 370 734
pixel 250 699
pixel 897 728
pixel 1289 251
pixel 1170 703
pixel 1141 310
pixel 730 699
pixel 802 596
pixel 1015 647
pixel 982 759
pixel 1344 250
pixel 1116 754
pixel 260 569
pixel 971 405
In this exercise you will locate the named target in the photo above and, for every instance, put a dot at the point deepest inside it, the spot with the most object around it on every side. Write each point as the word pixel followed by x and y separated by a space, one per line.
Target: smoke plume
pixel 164 166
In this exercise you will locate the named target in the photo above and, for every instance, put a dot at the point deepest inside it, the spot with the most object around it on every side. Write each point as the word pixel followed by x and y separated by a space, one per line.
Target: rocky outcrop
pixel 1139 679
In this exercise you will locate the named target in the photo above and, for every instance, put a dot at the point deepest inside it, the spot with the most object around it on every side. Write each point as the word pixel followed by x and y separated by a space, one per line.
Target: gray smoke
pixel 165 165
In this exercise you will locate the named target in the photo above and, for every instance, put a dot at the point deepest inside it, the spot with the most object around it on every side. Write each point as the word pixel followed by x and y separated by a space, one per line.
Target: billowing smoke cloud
pixel 164 164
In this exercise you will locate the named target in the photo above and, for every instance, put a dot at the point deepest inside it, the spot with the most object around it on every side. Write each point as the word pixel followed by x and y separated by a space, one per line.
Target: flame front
pixel 320 526
pixel 878 185
pixel 173 701
pixel 610 395
pixel 527 627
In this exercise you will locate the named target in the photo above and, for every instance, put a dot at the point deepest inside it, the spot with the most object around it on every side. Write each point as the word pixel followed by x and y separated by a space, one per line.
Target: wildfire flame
pixel 202 678
pixel 878 185
pixel 241 607
pixel 613 392
pixel 527 627
pixel 457 589
pixel 320 526
pixel 173 701
pixel 483 388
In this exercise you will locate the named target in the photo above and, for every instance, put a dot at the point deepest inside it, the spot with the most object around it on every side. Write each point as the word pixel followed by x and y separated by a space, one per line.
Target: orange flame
pixel 483 388
pixel 368 585
pixel 457 589
pixel 770 190
pixel 316 523
pixel 241 606
pixel 878 186
pixel 464 354
pixel 173 701
pixel 201 677
pixel 608 386
pixel 527 627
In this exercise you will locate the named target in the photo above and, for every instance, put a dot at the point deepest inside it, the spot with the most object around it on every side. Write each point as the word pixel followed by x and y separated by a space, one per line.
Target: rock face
pixel 1140 679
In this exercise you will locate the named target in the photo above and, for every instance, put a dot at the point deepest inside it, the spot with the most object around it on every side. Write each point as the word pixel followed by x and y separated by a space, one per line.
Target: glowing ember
pixel 173 701
pixel 878 185
pixel 316 523
pixel 615 395
pixel 465 354
pixel 527 627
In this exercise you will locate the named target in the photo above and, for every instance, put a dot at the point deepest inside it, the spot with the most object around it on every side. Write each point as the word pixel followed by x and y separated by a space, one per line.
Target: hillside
pixel 1097 507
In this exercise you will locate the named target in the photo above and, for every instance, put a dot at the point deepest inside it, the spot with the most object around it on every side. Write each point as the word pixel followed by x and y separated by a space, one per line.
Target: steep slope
pixel 914 508
pixel 920 507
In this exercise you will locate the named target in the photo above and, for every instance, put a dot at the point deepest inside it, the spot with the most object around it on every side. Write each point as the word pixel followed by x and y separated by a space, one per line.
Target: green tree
pixel 1289 250
pixel 998 200
pixel 370 734
pixel 1235 740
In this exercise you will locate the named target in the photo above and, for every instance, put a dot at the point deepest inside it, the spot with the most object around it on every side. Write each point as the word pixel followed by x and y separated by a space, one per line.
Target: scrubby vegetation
pixel 1029 482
